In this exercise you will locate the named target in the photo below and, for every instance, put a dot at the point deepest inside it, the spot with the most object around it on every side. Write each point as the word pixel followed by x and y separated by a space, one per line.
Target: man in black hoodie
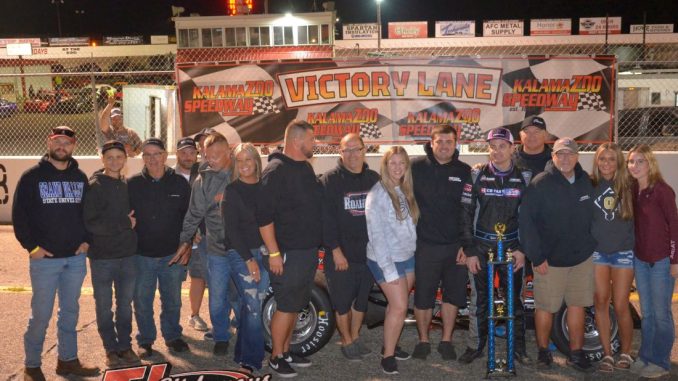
pixel 110 223
pixel 438 184
pixel 47 218
pixel 555 234
pixel 533 153
pixel 345 239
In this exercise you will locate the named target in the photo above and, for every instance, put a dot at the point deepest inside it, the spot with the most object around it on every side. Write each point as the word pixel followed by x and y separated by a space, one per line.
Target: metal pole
pixel 379 25
pixel 57 2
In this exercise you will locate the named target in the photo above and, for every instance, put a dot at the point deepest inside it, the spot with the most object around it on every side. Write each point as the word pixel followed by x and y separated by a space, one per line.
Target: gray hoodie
pixel 390 240
pixel 206 194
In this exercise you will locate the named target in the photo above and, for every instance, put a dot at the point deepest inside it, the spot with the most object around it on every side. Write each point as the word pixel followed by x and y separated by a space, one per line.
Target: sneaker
pixel 399 354
pixel 197 323
pixel 389 365
pixel 364 351
pixel 76 368
pixel 33 374
pixel 208 336
pixel 469 355
pixel 653 371
pixel 296 360
pixel 522 357
pixel 145 351
pixel 544 359
pixel 112 360
pixel 351 352
pixel 129 357
pixel 446 350
pixel 421 350
pixel 220 348
pixel 177 345
pixel 580 362
pixel 638 366
pixel 281 367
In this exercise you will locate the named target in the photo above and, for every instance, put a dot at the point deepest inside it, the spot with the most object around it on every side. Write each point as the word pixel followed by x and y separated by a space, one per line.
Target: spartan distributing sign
pixel 408 29
pixel 455 28
pixel 503 28
pixel 550 27
pixel 361 31
pixel 596 25
pixel 400 100
pixel 651 28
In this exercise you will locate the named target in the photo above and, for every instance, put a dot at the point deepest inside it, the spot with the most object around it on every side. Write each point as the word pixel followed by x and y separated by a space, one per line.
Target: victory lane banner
pixel 400 100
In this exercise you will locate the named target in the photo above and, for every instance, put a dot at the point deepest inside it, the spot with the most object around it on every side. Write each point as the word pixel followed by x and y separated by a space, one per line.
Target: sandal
pixel 606 364
pixel 625 361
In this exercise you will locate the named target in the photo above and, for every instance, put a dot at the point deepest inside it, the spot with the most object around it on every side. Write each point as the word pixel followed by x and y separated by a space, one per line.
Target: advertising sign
pixel 159 40
pixel 399 99
pixel 455 28
pixel 68 41
pixel 651 28
pixel 361 31
pixel 551 27
pixel 123 40
pixel 408 29
pixel 33 41
pixel 596 25
pixel 503 28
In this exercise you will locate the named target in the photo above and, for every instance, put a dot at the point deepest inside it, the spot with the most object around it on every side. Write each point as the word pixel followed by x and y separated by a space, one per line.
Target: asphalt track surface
pixel 328 364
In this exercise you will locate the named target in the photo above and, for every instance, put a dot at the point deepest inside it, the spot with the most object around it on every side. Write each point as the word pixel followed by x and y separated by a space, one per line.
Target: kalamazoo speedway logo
pixel 160 372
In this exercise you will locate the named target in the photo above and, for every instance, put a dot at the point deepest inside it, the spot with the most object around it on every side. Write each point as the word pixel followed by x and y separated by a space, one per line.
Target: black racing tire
pixel 315 325
pixel 593 350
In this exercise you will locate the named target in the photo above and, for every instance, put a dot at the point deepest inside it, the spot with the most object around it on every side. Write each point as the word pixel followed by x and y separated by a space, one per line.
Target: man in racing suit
pixel 494 190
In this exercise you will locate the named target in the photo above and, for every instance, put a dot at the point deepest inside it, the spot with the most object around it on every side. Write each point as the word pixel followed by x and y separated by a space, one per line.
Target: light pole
pixel 379 25
pixel 57 3
pixel 80 13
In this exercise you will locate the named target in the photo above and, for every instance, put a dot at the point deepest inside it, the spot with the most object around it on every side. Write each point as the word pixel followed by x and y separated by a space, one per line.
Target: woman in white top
pixel 392 212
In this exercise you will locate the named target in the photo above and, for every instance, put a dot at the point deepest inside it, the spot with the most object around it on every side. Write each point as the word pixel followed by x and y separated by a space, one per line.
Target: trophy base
pixel 501 373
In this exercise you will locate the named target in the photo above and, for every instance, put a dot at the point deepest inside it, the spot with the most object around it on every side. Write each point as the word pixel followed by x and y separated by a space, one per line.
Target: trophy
pixel 500 367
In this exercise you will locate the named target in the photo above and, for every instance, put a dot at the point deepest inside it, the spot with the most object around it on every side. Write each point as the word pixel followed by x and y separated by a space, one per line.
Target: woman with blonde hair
pixel 655 263
pixel 612 227
pixel 392 213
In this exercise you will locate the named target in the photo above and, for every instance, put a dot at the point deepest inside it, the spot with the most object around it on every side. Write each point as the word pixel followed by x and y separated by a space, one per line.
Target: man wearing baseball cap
pixel 533 153
pixel 112 127
pixel 495 189
pixel 555 233
pixel 47 218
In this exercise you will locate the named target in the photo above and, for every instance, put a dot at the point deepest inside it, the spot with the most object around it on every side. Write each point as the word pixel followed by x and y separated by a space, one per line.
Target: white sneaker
pixel 653 371
pixel 637 366
pixel 197 323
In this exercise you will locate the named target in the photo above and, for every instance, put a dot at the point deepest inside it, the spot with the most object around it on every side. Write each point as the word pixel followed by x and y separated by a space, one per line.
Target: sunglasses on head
pixel 63 132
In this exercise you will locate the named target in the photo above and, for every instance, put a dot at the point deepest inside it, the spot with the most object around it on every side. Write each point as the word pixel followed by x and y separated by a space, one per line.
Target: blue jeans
pixel 155 273
pixel 655 288
pixel 115 332
pixel 48 277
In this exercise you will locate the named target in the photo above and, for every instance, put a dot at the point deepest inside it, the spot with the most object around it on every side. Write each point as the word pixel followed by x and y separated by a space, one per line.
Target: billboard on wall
pixel 550 27
pixel 408 29
pixel 33 41
pixel 503 28
pixel 596 25
pixel 361 31
pixel 651 28
pixel 400 100
pixel 123 40
pixel 455 28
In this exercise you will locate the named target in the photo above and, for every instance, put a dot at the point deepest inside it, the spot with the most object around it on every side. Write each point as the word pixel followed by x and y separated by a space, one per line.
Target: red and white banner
pixel 35 42
pixel 503 28
pixel 550 27
pixel 408 29
pixel 596 25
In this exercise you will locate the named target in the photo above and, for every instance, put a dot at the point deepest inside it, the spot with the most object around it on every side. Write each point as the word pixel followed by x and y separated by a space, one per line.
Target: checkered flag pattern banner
pixel 370 131
pixel 591 101
pixel 265 105
pixel 470 132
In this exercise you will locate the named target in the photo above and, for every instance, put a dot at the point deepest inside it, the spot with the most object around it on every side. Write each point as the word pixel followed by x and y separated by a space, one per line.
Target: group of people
pixel 240 227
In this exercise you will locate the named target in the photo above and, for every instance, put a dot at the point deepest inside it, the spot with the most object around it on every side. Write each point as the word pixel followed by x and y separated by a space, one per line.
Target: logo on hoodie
pixel 354 203
pixel 61 192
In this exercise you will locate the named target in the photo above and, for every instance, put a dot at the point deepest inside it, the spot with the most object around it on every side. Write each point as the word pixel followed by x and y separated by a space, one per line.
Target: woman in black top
pixel 242 238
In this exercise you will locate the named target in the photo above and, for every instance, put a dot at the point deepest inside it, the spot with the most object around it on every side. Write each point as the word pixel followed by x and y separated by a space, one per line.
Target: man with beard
pixel 112 127
pixel 533 153
pixel 48 222
pixel 289 213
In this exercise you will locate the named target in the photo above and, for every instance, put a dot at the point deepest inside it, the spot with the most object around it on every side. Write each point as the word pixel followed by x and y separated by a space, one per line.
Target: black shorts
pixel 349 288
pixel 292 289
pixel 434 264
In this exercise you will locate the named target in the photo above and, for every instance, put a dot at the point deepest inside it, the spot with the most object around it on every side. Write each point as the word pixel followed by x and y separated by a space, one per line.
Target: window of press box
pixel 217 37
pixel 278 35
pixel 289 35
pixel 189 38
pixel 302 34
pixel 325 34
pixel 241 36
pixel 206 37
pixel 313 34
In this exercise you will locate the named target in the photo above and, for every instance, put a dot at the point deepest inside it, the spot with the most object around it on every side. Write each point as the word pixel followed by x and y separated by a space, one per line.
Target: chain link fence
pixel 38 94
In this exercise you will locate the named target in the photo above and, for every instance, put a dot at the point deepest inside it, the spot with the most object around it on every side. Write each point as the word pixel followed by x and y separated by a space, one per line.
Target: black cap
pixel 203 132
pixel 533 120
pixel 153 141
pixel 113 144
pixel 185 143
pixel 62 131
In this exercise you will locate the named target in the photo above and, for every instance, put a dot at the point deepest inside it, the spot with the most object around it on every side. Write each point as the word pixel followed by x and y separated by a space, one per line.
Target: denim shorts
pixel 620 259
pixel 403 268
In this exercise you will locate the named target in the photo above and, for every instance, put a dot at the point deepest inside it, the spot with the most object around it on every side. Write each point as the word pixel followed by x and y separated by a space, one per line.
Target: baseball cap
pixel 116 112
pixel 533 120
pixel 113 144
pixel 500 133
pixel 203 132
pixel 565 144
pixel 64 131
pixel 185 143
pixel 153 141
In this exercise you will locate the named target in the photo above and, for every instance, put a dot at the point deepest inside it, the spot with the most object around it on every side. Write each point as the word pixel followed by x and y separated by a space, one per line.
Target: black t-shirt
pixel 238 208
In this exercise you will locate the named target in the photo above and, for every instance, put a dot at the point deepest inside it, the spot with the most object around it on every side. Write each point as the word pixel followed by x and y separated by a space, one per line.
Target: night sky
pixel 95 18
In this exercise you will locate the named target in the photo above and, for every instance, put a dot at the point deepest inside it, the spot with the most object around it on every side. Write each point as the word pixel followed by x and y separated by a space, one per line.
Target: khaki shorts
pixel 573 284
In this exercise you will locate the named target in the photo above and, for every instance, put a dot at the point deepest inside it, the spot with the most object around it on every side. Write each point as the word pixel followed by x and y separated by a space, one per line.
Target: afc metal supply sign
pixel 652 28
pixel 455 28
pixel 596 25
pixel 361 31
pixel 551 27
pixel 503 28
pixel 411 29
